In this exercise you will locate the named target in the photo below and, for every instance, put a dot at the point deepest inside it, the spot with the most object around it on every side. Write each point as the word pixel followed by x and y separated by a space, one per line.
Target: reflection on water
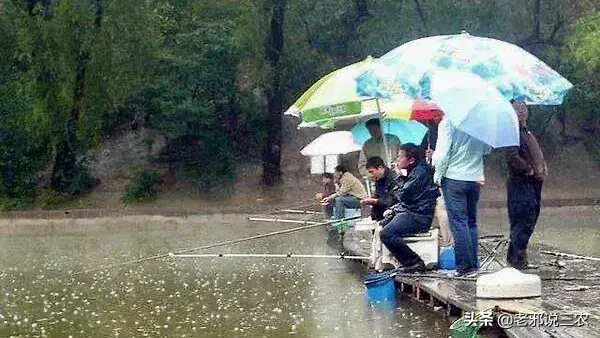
pixel 42 293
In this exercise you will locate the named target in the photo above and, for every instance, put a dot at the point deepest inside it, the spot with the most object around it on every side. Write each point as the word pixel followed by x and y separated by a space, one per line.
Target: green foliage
pixel 580 63
pixel 211 169
pixel 195 72
pixel 49 199
pixel 22 150
pixel 584 43
pixel 144 187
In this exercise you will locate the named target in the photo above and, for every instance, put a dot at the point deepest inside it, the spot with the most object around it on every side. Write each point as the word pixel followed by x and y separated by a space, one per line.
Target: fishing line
pixel 265 255
pixel 215 245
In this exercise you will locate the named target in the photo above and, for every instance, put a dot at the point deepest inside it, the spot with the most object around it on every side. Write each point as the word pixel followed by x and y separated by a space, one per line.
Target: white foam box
pixel 331 161
pixel 317 165
pixel 509 283
pixel 426 246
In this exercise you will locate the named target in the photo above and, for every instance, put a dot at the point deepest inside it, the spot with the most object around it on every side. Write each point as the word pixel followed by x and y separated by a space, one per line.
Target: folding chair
pixel 492 248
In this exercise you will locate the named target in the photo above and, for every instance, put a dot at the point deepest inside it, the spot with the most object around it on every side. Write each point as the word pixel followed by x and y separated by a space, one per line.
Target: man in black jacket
pixel 414 211
pixel 385 183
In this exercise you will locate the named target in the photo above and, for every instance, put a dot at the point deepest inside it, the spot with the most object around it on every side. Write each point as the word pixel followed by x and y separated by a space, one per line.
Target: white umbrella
pixel 332 143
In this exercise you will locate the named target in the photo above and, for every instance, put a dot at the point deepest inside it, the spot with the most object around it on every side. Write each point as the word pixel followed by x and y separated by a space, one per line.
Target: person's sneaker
pixel 466 274
pixel 525 266
pixel 472 273
pixel 530 267
pixel 417 267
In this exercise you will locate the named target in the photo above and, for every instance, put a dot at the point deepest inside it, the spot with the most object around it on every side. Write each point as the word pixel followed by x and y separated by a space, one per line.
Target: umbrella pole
pixel 429 135
pixel 429 126
pixel 388 159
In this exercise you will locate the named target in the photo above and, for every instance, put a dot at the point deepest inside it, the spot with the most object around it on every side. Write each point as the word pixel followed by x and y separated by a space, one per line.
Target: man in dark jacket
pixel 414 211
pixel 385 183
pixel 526 172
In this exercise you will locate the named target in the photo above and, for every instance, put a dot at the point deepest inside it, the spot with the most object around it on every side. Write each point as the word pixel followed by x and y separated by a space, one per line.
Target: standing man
pixel 526 173
pixel 414 211
pixel 374 146
pixel 458 161
pixel 348 195
pixel 385 184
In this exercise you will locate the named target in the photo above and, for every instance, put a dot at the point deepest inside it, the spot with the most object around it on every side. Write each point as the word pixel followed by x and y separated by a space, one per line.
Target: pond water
pixel 45 294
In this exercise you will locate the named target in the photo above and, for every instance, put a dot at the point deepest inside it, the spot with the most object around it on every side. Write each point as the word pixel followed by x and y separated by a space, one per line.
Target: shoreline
pixel 227 208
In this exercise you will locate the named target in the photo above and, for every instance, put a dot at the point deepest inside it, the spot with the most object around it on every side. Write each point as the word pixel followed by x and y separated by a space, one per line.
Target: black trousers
pixel 377 212
pixel 523 202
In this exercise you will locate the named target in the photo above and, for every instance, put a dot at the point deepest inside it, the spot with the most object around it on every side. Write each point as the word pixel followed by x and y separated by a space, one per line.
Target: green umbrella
pixel 334 98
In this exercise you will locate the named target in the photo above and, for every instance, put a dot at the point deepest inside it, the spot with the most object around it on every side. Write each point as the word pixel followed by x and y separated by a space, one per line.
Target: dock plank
pixel 582 276
pixel 462 295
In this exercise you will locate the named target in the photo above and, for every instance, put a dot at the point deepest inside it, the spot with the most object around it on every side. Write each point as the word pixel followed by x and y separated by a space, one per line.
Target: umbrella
pixel 425 111
pixel 334 99
pixel 407 131
pixel 332 143
pixel 428 112
pixel 476 107
pixel 516 73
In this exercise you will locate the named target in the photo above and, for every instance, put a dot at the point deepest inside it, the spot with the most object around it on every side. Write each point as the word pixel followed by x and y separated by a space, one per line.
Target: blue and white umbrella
pixel 516 73
pixel 407 131
pixel 481 111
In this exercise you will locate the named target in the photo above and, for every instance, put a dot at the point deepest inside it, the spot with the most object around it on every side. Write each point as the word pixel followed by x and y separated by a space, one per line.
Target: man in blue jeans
pixel 458 161
pixel 416 196
pixel 348 195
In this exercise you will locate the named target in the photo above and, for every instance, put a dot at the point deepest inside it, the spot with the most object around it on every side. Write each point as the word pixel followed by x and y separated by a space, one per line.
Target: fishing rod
pixel 215 245
pixel 280 220
pixel 562 254
pixel 305 204
pixel 307 212
pixel 260 255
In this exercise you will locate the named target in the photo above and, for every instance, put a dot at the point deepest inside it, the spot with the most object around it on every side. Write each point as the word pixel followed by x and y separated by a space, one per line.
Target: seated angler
pixel 385 183
pixel 414 211
pixel 348 195
pixel 327 181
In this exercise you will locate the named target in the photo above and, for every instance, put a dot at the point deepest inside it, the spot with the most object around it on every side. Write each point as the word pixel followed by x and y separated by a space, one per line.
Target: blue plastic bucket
pixel 381 287
pixel 447 261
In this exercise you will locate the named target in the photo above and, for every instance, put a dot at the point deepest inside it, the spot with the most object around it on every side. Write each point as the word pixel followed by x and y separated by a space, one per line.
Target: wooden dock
pixel 569 287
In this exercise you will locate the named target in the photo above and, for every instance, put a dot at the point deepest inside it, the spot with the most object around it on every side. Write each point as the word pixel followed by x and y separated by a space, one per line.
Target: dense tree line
pixel 219 73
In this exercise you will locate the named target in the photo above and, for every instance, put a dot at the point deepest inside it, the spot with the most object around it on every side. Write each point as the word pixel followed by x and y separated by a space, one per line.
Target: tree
pixel 274 50
pixel 69 174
